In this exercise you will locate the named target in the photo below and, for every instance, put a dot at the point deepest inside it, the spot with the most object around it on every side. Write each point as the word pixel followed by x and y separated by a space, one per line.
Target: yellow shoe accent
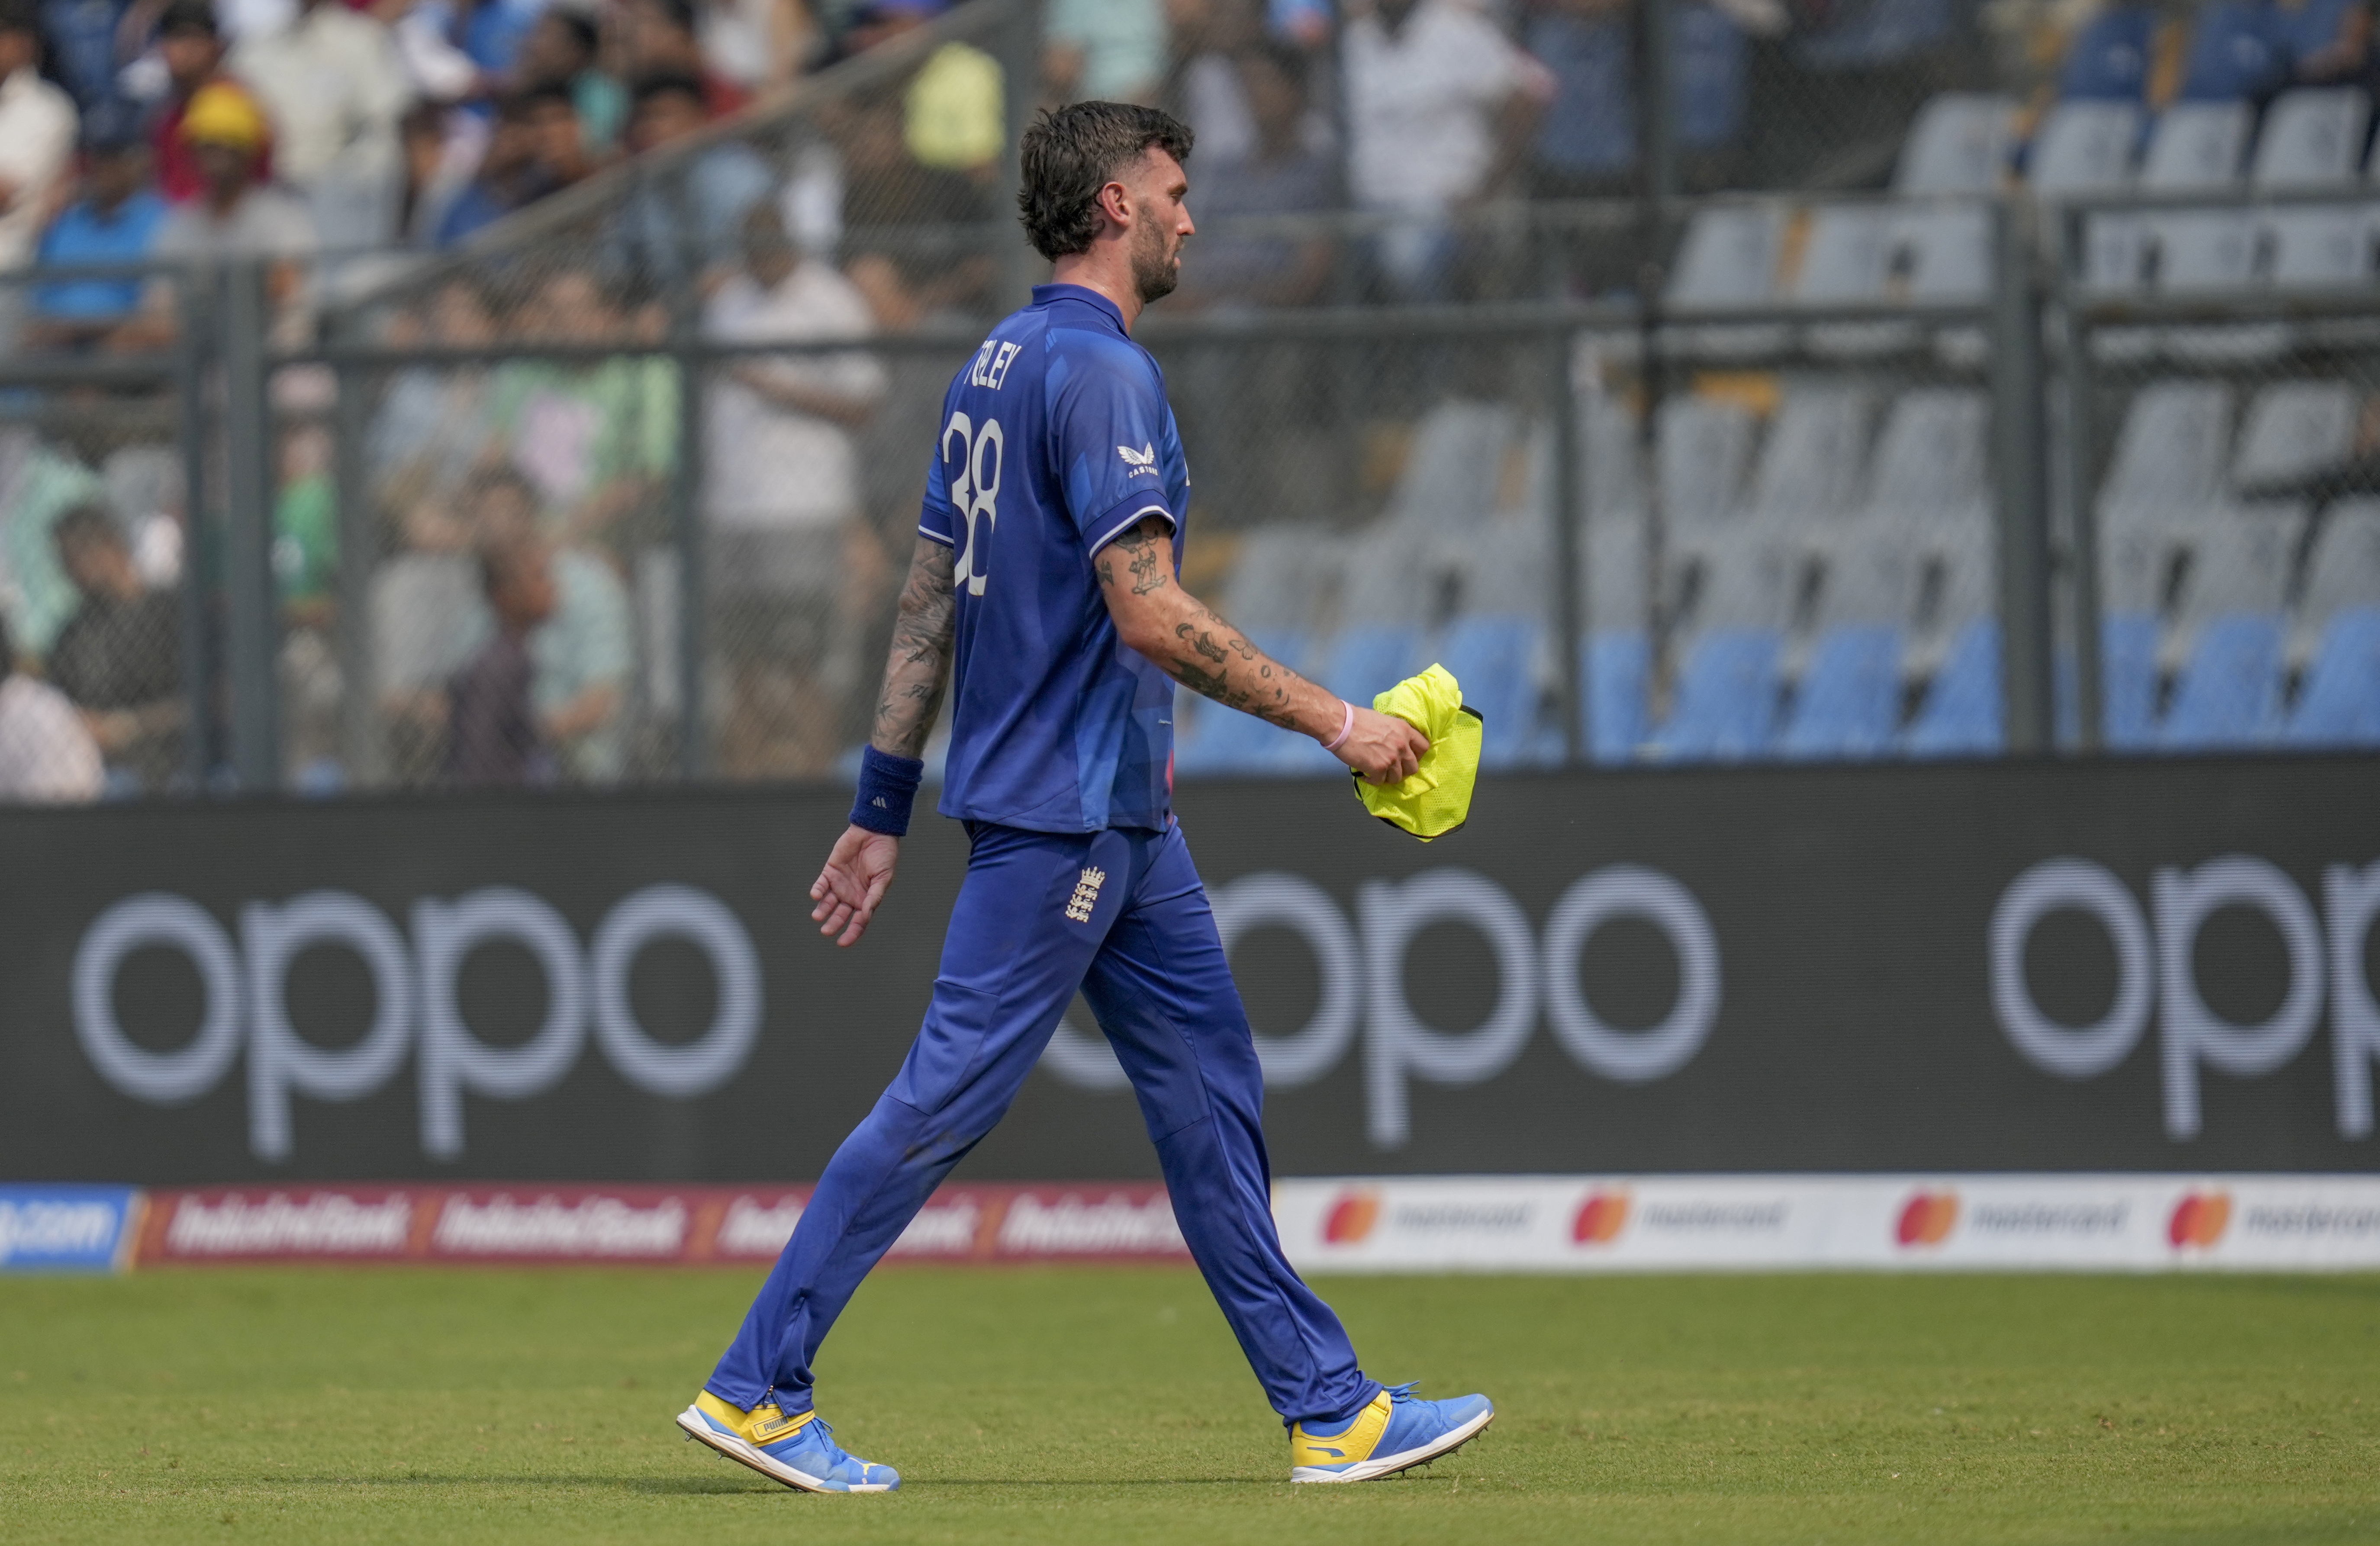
pixel 764 1424
pixel 1362 1437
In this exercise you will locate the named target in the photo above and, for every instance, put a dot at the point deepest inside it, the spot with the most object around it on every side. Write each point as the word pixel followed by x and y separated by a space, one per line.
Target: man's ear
pixel 1115 203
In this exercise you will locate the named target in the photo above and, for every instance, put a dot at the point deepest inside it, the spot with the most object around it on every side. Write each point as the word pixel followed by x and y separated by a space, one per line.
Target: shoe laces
pixel 1404 1391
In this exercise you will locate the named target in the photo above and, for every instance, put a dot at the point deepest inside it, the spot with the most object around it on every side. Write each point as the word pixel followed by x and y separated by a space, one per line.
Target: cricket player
pixel 1044 593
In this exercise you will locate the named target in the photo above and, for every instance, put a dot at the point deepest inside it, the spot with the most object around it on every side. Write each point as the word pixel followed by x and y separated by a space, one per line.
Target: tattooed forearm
pixel 918 666
pixel 1193 645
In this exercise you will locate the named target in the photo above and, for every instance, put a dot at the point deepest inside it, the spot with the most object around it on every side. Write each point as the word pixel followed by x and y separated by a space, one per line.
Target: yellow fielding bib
pixel 1437 799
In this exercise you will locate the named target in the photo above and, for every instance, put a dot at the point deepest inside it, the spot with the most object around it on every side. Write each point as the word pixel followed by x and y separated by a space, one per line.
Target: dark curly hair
pixel 1072 153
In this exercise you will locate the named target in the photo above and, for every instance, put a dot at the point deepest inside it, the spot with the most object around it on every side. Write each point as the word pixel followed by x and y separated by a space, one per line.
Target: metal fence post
pixel 2022 487
pixel 1656 122
pixel 1571 621
pixel 253 647
pixel 694 738
pixel 1020 64
pixel 360 746
pixel 196 293
pixel 2082 509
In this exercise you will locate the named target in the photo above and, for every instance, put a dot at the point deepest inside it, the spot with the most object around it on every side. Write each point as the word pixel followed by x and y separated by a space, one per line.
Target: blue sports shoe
pixel 1396 1431
pixel 798 1450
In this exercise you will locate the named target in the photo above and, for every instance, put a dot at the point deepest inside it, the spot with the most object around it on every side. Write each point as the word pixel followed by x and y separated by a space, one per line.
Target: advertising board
pixel 2158 966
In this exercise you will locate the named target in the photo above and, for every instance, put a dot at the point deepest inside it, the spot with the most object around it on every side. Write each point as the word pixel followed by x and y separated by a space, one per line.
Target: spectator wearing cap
pixel 1441 107
pixel 238 215
pixel 565 49
pixel 192 49
pixel 118 659
pixel 114 222
pixel 45 753
pixel 37 136
pixel 677 226
pixel 333 87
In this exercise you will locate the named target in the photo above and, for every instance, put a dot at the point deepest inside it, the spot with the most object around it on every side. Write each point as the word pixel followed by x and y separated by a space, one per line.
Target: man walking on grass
pixel 1043 591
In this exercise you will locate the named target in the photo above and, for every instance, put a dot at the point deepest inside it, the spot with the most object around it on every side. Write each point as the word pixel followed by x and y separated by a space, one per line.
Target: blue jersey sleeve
pixel 937 520
pixel 1107 422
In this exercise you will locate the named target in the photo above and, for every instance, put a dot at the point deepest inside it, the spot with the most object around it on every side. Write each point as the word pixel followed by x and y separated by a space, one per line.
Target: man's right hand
pixel 1384 748
pixel 857 875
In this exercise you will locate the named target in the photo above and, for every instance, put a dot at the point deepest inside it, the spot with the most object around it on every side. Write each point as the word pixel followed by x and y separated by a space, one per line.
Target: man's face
pixel 553 127
pixel 190 57
pixel 1161 223
pixel 116 173
pixel 524 598
pixel 666 116
pixel 224 167
pixel 96 566
pixel 551 51
pixel 573 309
pixel 459 320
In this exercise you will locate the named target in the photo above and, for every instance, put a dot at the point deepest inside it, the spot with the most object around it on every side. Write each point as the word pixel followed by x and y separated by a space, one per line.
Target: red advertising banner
pixel 516 1226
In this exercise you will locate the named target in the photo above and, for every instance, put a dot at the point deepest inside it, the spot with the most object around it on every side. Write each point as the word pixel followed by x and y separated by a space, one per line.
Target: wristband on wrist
pixel 1346 729
pixel 888 787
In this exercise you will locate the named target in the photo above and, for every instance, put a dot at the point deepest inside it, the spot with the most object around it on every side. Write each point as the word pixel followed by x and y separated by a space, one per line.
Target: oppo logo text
pixel 245 984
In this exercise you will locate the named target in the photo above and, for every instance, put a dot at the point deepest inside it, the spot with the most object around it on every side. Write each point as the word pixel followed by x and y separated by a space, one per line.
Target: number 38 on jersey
pixel 971 459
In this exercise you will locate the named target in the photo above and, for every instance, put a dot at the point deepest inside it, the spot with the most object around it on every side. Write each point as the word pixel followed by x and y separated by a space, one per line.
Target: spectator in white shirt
pixel 45 753
pixel 1440 109
pixel 795 567
pixel 37 138
pixel 335 88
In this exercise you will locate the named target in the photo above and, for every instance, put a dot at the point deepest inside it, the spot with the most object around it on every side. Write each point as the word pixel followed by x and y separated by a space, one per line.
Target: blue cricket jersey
pixel 1056 439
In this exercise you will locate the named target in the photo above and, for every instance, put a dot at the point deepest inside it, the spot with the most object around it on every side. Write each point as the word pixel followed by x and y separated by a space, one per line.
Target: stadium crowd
pixel 521 613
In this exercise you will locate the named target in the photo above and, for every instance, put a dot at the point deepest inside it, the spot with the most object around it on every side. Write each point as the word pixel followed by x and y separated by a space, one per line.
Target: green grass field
pixel 1110 1405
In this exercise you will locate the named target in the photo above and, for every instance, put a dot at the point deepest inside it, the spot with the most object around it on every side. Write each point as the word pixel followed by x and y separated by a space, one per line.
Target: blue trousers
pixel 1121 917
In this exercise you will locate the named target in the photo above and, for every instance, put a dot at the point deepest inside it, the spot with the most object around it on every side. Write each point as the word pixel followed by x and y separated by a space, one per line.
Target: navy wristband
pixel 888 787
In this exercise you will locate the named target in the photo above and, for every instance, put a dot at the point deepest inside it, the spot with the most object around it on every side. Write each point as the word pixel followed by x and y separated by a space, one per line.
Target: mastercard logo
pixel 1600 1219
pixel 1928 1219
pixel 2199 1219
pixel 1350 1218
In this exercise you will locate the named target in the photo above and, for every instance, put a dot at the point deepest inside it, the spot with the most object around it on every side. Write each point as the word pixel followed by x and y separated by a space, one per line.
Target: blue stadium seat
pixel 2128 682
pixel 1617 665
pixel 1494 658
pixel 2340 705
pixel 2237 53
pixel 2108 59
pixel 1370 657
pixel 1727 698
pixel 1850 702
pixel 2229 693
pixel 1961 715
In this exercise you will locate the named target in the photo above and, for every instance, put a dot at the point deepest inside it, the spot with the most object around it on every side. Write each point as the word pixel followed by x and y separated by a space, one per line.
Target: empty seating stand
pixel 1959 144
pixel 1849 703
pixel 1726 708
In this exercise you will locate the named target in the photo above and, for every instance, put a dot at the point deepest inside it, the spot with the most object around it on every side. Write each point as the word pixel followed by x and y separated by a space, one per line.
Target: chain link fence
pixel 1906 461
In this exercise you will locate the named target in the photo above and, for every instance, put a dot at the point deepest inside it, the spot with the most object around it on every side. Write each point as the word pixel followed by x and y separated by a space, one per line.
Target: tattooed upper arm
pixel 1145 553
